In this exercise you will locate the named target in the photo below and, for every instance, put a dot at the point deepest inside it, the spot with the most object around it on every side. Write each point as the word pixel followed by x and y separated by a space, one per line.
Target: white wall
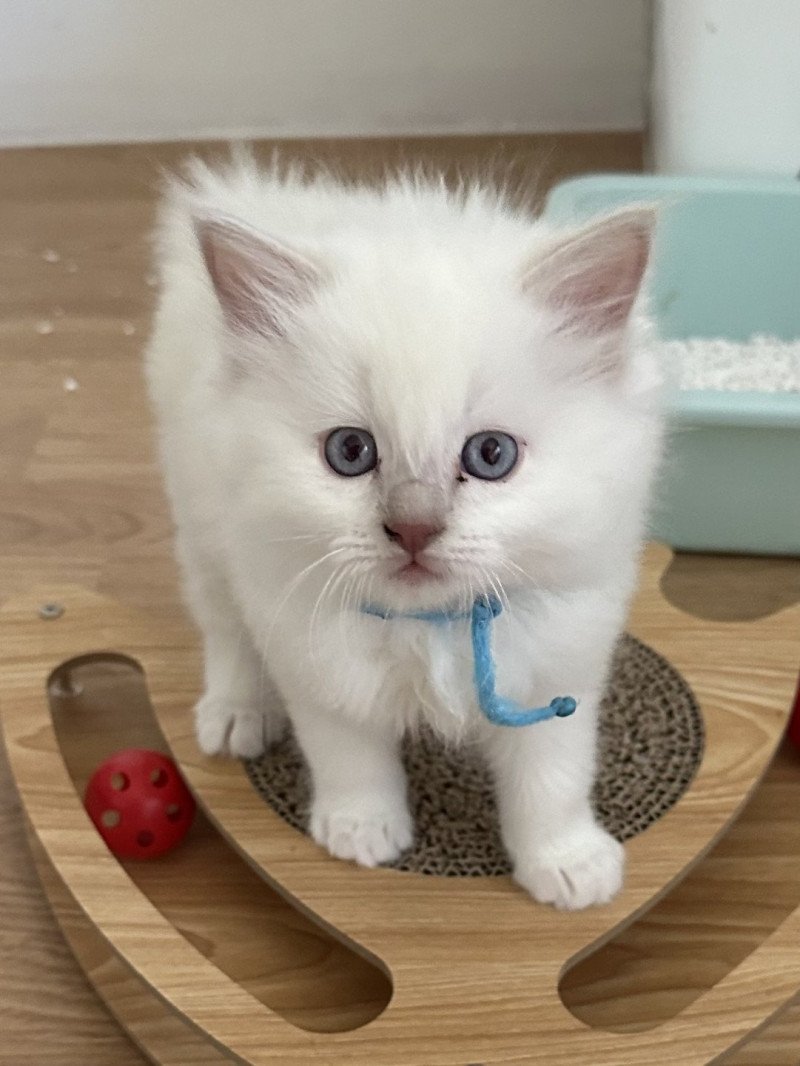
pixel 112 70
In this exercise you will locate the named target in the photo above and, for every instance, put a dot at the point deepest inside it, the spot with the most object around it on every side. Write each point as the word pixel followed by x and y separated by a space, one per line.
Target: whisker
pixel 487 577
pixel 345 606
pixel 369 581
pixel 471 590
pixel 358 590
pixel 499 590
pixel 509 564
pixel 295 537
pixel 333 580
pixel 533 582
pixel 293 584
pixel 359 599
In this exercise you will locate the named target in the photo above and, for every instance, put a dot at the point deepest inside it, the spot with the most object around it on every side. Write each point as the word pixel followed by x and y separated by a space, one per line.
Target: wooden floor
pixel 80 493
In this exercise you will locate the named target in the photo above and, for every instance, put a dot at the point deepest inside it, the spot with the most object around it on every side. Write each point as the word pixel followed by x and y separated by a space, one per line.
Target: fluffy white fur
pixel 292 307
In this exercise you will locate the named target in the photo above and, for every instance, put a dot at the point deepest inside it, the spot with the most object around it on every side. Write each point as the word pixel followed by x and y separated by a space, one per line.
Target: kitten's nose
pixel 413 536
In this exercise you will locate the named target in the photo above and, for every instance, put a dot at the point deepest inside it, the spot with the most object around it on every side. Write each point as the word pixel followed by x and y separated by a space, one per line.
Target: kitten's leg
pixel 239 712
pixel 359 808
pixel 544 775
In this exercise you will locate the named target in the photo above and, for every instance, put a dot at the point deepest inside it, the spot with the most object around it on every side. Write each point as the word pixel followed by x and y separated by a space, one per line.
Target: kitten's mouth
pixel 415 573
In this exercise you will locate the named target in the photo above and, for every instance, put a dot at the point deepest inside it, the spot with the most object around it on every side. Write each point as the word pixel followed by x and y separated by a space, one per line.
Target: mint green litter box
pixel 727 265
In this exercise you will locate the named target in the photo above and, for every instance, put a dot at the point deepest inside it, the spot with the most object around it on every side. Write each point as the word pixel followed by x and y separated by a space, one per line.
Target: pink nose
pixel 412 536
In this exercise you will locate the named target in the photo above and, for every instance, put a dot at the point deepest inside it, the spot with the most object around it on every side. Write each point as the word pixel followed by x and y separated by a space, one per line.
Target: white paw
pixel 583 869
pixel 243 730
pixel 367 829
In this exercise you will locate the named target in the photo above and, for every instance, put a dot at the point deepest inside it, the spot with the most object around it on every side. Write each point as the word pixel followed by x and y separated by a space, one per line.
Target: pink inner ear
pixel 594 276
pixel 257 280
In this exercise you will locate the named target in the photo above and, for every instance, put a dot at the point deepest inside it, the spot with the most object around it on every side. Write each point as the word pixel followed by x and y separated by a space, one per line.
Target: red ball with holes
pixel 139 803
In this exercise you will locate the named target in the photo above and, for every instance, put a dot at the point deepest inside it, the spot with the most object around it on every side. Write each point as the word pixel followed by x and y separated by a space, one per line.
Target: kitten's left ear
pixel 591 276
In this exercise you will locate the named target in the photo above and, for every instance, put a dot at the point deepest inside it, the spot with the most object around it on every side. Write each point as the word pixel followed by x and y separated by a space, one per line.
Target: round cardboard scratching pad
pixel 651 743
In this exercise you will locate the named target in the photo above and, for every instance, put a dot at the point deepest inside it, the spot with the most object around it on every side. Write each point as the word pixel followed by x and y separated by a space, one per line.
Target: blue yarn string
pixel 497 709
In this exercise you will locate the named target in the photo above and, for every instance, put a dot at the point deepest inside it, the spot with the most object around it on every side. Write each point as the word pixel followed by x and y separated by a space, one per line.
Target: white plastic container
pixel 726 87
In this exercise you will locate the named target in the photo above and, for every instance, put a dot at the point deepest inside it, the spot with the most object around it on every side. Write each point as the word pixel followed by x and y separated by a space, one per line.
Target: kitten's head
pixel 443 409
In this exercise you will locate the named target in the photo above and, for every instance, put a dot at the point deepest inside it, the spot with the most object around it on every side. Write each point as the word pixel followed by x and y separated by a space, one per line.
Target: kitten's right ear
pixel 259 281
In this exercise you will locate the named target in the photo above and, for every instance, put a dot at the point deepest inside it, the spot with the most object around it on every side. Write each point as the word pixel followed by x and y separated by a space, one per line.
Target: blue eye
pixel 351 452
pixel 490 455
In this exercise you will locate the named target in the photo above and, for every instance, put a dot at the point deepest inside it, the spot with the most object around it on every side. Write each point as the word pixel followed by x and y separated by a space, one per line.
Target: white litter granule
pixel 44 326
pixel 70 385
pixel 50 255
pixel 762 364
pixel 128 329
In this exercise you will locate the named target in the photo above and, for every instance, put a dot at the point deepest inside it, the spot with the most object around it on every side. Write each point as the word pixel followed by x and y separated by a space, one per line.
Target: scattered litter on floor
pixel 70 385
pixel 50 255
pixel 44 326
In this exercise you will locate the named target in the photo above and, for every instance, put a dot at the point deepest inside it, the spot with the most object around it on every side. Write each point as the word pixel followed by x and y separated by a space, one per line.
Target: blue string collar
pixel 498 709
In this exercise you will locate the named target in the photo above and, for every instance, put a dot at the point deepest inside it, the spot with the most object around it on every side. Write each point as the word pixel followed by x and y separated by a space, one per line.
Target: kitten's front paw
pixel 243 730
pixel 367 829
pixel 583 869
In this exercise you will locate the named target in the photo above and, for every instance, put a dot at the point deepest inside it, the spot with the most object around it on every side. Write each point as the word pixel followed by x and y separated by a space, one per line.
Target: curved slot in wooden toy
pixel 669 956
pixel 726 588
pixel 203 888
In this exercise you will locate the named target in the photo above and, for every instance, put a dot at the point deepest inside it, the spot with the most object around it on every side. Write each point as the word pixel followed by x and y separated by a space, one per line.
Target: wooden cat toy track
pixel 249 944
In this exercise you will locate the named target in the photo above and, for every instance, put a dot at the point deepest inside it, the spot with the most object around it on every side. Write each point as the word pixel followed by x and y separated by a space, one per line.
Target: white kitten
pixel 415 319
